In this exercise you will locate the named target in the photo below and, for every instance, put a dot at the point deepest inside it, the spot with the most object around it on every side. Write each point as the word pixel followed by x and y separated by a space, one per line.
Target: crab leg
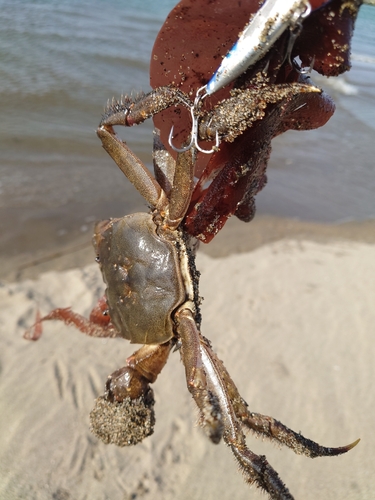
pixel 98 325
pixel 233 116
pixel 129 112
pixel 142 369
pixel 207 401
pixel 145 183
pixel 164 164
pixel 255 468
pixel 275 430
pixel 182 188
pixel 132 167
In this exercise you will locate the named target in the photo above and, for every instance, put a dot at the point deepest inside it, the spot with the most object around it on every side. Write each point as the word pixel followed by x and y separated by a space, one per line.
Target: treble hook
pixel 194 129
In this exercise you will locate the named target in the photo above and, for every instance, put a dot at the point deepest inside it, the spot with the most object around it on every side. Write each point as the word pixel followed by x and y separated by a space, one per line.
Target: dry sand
pixel 293 321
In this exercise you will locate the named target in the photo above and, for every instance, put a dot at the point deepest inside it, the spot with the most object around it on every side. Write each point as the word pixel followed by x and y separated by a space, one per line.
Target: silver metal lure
pixel 257 38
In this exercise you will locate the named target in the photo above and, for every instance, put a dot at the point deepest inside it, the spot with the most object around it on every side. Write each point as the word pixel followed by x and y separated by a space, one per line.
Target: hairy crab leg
pixel 273 429
pixel 98 324
pixel 172 211
pixel 129 112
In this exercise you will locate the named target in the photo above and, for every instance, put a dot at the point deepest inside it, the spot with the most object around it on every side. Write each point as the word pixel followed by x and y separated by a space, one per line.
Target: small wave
pixel 363 58
pixel 341 86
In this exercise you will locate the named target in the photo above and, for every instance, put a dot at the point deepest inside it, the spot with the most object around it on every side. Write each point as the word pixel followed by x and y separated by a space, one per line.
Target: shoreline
pixel 235 238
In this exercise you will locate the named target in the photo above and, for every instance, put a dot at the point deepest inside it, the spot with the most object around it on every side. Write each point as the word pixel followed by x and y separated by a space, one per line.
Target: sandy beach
pixel 292 318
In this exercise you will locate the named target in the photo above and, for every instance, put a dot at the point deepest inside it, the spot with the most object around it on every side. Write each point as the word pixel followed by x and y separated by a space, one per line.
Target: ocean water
pixel 59 63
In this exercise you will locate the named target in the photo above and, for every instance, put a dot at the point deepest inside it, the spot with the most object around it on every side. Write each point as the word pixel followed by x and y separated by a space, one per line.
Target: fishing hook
pixel 195 128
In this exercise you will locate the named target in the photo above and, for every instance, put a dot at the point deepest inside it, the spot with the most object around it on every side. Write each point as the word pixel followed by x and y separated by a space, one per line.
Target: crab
pixel 152 298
